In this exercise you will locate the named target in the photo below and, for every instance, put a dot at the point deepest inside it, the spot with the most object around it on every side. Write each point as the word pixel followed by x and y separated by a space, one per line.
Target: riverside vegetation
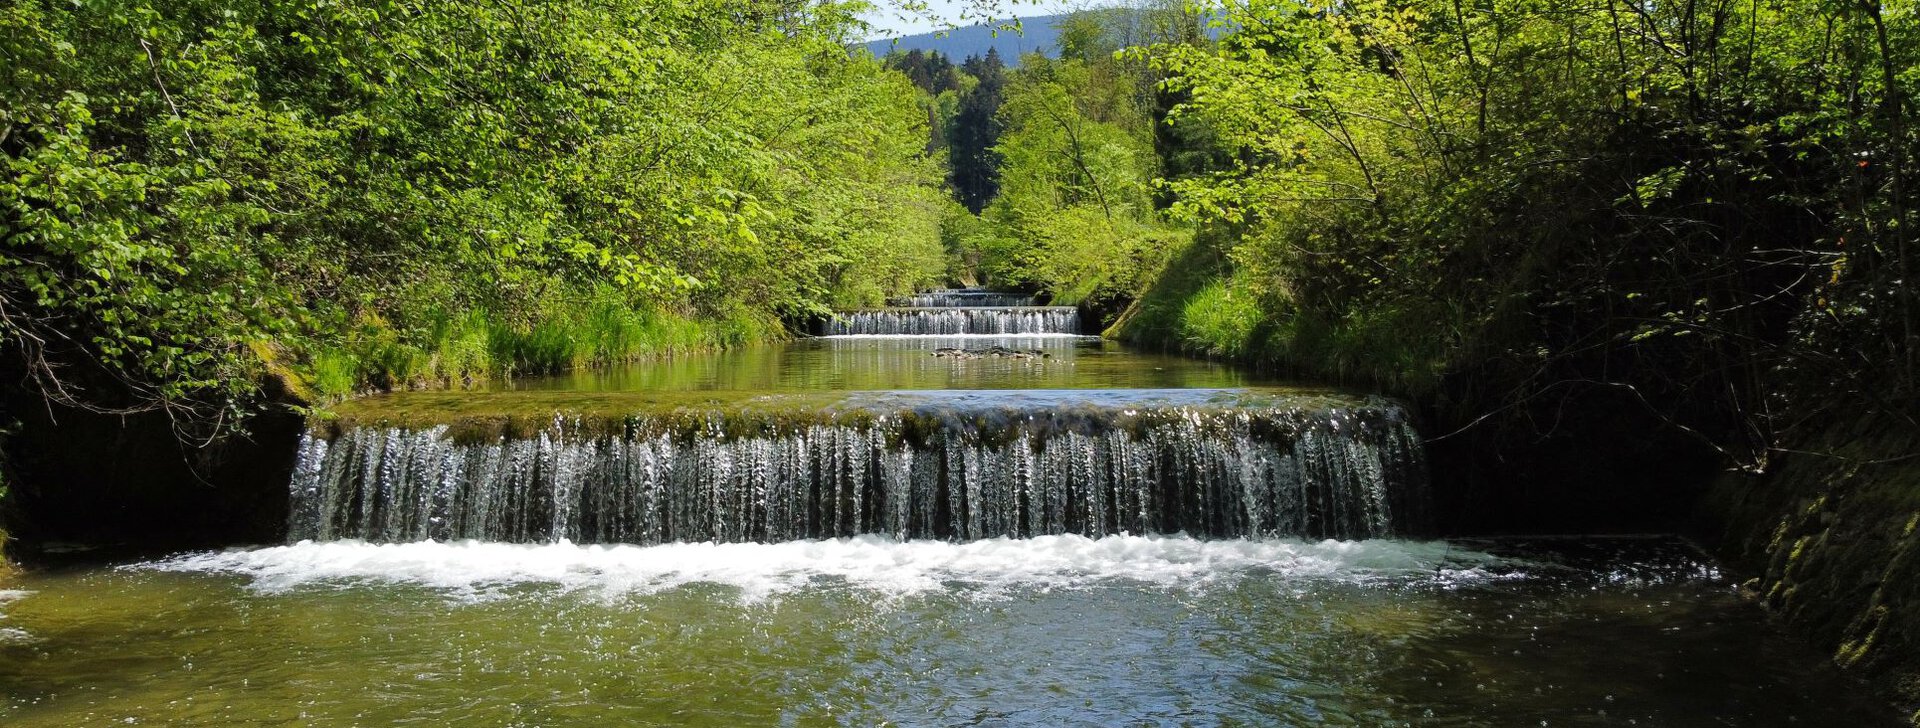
pixel 387 194
pixel 1647 241
pixel 1606 248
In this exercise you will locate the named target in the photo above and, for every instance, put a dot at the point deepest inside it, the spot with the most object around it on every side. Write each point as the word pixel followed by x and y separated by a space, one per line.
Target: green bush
pixel 1221 320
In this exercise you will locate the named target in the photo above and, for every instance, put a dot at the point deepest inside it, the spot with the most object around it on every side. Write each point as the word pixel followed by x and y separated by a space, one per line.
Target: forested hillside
pixel 1697 217
pixel 1058 161
pixel 1010 38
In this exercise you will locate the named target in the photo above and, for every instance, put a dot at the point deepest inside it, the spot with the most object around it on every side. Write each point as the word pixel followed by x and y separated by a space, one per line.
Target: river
pixel 919 520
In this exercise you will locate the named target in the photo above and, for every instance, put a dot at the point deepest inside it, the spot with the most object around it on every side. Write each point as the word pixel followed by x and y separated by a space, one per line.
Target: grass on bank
pixel 1200 305
pixel 453 349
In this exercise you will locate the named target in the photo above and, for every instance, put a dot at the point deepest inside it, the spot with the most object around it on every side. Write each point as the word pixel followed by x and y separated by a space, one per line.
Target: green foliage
pixel 1221 320
pixel 1506 204
pixel 400 192
pixel 599 328
pixel 1076 150
pixel 974 165
pixel 333 373
pixel 1074 215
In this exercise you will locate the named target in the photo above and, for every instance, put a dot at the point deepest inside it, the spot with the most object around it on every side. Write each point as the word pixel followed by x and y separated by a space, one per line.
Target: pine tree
pixel 976 129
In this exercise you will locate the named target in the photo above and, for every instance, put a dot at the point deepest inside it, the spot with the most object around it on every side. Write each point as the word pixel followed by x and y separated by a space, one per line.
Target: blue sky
pixel 888 23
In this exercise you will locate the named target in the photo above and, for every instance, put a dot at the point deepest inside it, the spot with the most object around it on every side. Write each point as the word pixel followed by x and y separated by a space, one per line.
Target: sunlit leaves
pixel 184 178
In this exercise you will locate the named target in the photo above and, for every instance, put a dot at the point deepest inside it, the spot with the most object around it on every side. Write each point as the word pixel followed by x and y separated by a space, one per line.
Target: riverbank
pixel 1825 537
pixel 129 484
pixel 439 350
pixel 1829 540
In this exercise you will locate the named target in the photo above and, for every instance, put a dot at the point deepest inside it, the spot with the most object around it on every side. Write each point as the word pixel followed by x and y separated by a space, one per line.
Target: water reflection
pixel 906 362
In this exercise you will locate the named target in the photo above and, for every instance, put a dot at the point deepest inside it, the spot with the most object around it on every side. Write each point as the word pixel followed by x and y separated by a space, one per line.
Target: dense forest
pixel 1699 213
pixel 200 195
pixel 1699 209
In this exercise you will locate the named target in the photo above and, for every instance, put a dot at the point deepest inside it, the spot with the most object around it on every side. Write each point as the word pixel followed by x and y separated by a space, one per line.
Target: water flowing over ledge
pixel 955 321
pixel 951 465
pixel 957 298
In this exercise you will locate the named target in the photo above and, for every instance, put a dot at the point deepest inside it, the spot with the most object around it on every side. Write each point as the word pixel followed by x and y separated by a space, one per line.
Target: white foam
pixel 868 562
pixel 1082 337
pixel 12 635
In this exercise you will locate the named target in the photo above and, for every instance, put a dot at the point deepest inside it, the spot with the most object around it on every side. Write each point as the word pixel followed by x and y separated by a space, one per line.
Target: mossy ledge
pixel 948 464
pixel 1831 539
pixel 914 416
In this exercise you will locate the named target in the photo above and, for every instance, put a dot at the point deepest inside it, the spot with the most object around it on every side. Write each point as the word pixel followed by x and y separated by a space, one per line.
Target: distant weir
pixel 1004 320
pixel 962 298
pixel 927 469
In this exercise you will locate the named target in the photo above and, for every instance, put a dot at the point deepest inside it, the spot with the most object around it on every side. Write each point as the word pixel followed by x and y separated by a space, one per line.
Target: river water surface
pixel 1056 532
pixel 1048 631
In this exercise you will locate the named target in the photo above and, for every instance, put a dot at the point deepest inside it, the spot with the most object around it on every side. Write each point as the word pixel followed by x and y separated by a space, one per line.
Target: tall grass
pixel 1220 320
pixel 1200 305
pixel 446 348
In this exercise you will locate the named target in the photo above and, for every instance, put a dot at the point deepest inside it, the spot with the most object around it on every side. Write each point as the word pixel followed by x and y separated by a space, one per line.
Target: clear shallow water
pixel 1047 631
pixel 903 362
pixel 812 374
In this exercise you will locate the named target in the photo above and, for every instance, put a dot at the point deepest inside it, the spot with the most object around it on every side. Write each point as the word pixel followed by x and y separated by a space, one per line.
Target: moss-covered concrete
pixel 1830 537
pixel 89 483
pixel 916 416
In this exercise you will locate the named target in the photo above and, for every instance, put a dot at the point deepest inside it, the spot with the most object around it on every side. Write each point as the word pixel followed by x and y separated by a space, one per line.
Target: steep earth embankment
pixel 1831 538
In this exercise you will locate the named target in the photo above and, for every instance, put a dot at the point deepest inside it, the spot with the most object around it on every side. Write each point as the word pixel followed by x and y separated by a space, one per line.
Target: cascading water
pixel 961 298
pixel 997 320
pixel 947 465
pixel 1018 439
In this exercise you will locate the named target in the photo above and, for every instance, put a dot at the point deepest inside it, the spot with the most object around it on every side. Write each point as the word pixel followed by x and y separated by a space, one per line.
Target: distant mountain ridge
pixel 1039 33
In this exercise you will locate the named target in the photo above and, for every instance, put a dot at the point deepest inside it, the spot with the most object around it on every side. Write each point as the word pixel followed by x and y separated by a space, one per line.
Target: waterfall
pixel 943 466
pixel 956 321
pixel 962 298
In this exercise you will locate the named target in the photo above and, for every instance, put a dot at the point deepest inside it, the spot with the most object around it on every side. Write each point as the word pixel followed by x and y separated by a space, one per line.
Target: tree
pixel 1694 214
pixel 976 129
pixel 353 196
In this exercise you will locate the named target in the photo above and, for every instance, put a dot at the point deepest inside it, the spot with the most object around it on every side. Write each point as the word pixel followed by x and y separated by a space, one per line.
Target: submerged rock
pixel 997 352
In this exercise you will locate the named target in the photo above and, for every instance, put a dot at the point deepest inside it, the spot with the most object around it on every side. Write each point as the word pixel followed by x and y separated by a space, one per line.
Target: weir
pixel 936 464
pixel 961 297
pixel 994 320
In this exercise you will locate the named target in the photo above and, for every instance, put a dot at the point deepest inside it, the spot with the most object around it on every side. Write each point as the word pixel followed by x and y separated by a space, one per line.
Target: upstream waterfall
pixel 962 297
pixel 957 312
pixel 956 321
